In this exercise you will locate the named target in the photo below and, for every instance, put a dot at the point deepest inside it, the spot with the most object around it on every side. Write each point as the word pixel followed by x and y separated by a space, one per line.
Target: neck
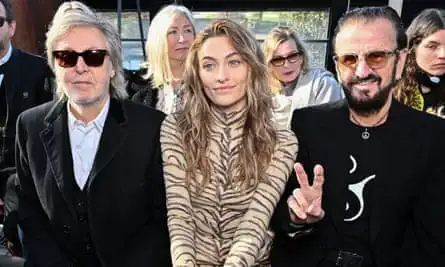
pixel 177 67
pixel 4 51
pixel 87 113
pixel 371 120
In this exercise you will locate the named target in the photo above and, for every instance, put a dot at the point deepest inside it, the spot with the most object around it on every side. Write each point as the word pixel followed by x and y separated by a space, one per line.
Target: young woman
pixel 423 83
pixel 225 162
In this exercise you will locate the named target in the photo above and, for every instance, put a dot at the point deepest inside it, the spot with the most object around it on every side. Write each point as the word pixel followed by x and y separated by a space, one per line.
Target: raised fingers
pixel 318 178
pixel 298 204
pixel 301 175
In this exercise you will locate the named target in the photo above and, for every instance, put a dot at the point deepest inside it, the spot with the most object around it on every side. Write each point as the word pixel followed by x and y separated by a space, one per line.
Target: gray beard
pixel 91 102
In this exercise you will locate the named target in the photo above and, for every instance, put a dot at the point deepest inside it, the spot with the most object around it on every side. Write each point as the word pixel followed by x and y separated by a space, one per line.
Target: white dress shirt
pixel 3 60
pixel 84 139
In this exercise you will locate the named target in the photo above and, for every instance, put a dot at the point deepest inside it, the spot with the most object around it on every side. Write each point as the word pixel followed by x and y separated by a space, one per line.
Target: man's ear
pixel 11 29
pixel 401 63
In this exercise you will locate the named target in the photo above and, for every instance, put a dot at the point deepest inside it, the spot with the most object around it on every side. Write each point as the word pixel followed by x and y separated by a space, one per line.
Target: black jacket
pixel 127 215
pixel 405 214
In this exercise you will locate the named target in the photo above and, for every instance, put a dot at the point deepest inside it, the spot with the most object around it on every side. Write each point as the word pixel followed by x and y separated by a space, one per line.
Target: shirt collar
pixel 98 122
pixel 5 58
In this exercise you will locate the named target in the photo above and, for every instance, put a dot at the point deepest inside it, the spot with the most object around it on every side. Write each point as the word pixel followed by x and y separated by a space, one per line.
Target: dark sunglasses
pixel 3 20
pixel 292 58
pixel 68 58
pixel 374 59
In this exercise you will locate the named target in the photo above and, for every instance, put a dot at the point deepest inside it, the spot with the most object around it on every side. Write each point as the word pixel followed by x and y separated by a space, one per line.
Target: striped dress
pixel 222 225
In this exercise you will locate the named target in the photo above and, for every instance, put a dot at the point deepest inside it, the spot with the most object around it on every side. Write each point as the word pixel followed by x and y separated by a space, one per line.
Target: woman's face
pixel 286 62
pixel 180 36
pixel 224 74
pixel 430 53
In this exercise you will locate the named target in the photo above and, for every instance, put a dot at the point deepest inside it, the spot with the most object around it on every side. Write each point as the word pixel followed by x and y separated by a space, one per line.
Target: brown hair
pixel 259 133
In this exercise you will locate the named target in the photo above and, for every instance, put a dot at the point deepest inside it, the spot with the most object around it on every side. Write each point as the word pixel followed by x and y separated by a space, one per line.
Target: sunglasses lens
pixel 348 60
pixel 2 21
pixel 294 57
pixel 94 58
pixel 377 59
pixel 66 59
pixel 279 61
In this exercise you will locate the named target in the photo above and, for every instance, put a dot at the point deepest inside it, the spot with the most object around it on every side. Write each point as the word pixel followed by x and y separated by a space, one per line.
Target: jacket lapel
pixel 56 142
pixel 113 136
pixel 11 79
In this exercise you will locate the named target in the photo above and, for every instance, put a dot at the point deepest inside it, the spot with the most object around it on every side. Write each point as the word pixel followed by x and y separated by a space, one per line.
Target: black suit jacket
pixel 28 83
pixel 127 212
pixel 407 217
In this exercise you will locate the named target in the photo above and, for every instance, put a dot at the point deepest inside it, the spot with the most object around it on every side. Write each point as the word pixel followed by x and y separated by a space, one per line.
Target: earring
pixel 112 73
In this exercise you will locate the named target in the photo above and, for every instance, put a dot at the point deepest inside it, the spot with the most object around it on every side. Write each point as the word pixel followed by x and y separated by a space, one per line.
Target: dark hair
pixel 369 14
pixel 7 4
pixel 428 22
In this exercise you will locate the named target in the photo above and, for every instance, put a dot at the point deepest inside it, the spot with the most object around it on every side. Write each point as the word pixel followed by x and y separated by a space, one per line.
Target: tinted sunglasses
pixel 292 58
pixel 374 59
pixel 68 58
pixel 3 20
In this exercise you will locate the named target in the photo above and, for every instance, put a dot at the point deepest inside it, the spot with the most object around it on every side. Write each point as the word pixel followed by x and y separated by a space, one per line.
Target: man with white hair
pixel 89 164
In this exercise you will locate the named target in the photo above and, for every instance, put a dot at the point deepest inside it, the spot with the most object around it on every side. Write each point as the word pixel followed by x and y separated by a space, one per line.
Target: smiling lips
pixel 224 88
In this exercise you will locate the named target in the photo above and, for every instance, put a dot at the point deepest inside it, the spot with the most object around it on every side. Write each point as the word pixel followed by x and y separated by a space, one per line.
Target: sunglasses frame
pixel 3 20
pixel 58 54
pixel 298 55
pixel 387 54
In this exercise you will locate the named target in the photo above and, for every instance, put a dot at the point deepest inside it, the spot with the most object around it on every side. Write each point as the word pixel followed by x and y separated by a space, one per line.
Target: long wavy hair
pixel 277 36
pixel 426 23
pixel 194 121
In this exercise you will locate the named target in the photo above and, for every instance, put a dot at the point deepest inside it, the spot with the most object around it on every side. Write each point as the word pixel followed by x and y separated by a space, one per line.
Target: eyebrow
pixel 227 56
pixel 434 42
pixel 176 27
pixel 288 54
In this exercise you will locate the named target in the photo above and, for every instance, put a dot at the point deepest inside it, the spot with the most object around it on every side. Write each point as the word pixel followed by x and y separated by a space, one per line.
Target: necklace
pixel 366 134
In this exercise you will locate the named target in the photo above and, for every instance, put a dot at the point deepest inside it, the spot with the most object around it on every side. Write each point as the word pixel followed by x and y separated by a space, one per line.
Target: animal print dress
pixel 222 225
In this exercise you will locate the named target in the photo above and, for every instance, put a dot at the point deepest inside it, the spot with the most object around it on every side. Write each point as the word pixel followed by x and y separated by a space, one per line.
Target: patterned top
pixel 222 225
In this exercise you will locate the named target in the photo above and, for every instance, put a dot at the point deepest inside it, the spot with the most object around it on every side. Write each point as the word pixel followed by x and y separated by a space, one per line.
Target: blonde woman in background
pixel 293 83
pixel 170 35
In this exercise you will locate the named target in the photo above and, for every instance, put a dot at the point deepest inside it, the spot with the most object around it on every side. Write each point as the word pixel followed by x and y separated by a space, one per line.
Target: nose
pixel 222 74
pixel 442 51
pixel 363 70
pixel 80 66
pixel 181 37
pixel 286 63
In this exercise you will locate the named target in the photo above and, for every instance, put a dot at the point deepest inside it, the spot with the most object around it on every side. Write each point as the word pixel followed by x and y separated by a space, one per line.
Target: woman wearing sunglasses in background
pixel 293 83
pixel 423 83
pixel 170 35
pixel 225 162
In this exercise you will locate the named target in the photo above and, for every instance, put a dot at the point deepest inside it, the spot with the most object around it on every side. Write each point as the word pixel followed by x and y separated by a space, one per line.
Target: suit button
pixel 88 247
pixel 82 218
pixel 66 229
pixel 79 204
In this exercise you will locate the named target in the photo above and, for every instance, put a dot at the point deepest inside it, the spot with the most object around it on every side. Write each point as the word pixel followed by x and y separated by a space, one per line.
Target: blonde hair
pixel 277 36
pixel 74 14
pixel 157 60
pixel 259 134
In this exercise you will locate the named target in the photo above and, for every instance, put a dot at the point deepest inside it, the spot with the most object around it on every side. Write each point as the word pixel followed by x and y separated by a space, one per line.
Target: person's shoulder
pixel 320 111
pixel 142 111
pixel 30 58
pixel 319 73
pixel 38 113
